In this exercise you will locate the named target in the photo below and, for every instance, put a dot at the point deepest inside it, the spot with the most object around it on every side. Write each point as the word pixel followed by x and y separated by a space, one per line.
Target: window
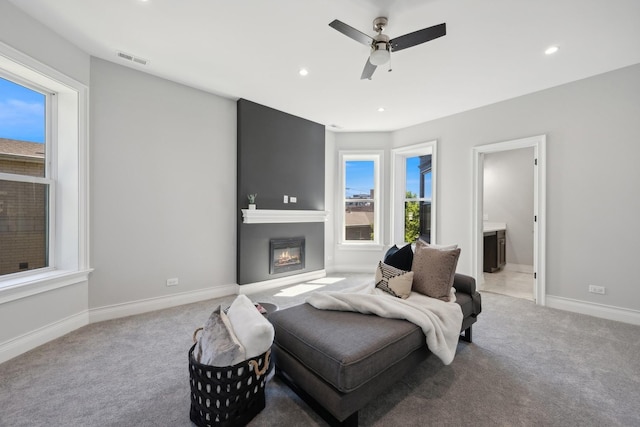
pixel 25 179
pixel 413 186
pixel 45 200
pixel 361 194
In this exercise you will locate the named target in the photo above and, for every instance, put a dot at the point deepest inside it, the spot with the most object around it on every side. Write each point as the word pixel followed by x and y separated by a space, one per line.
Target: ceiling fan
pixel 382 46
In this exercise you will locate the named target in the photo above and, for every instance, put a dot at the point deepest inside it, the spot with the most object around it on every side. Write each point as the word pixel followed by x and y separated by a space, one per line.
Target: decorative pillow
pixel 217 345
pixel 421 242
pixel 253 330
pixel 392 250
pixel 394 281
pixel 434 270
pixel 402 258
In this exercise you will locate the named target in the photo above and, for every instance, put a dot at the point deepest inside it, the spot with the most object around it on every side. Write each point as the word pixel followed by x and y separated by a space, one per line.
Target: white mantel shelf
pixel 274 216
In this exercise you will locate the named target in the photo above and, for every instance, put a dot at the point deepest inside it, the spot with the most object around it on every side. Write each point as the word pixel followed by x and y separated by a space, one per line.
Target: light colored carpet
pixel 528 365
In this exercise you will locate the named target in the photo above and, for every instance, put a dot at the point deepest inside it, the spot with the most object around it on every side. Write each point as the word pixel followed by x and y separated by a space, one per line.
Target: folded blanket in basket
pixel 218 345
pixel 253 330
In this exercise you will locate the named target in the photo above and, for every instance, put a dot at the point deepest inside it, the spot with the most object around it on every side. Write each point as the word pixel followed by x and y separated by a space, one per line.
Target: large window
pixel 43 177
pixel 26 182
pixel 413 186
pixel 361 195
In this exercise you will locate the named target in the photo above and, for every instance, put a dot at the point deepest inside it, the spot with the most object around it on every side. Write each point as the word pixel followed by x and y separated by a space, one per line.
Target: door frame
pixel 538 143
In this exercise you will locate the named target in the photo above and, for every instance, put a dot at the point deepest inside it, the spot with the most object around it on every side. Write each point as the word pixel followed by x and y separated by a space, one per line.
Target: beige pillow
pixel 393 280
pixel 434 270
pixel 422 243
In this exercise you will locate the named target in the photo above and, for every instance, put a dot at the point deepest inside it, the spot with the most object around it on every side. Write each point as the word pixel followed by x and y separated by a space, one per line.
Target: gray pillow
pixel 217 345
pixel 434 271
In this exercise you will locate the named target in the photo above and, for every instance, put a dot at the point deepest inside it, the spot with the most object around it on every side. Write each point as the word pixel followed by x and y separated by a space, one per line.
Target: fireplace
pixel 286 255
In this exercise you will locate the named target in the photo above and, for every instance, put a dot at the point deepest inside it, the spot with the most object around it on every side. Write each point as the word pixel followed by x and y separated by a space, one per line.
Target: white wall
pixel 508 198
pixel 163 187
pixel 30 37
pixel 592 130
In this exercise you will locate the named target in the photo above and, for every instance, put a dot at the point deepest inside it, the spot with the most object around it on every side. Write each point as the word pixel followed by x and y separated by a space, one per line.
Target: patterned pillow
pixel 402 258
pixel 393 280
pixel 434 271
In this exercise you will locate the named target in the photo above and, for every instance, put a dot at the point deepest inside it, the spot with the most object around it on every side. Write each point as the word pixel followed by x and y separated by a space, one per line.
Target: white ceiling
pixel 253 49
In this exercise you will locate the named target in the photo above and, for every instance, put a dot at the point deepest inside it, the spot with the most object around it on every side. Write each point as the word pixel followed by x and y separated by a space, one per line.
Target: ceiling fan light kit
pixel 381 46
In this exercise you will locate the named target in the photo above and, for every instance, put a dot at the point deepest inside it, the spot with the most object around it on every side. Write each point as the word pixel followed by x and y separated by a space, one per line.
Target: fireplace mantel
pixel 274 216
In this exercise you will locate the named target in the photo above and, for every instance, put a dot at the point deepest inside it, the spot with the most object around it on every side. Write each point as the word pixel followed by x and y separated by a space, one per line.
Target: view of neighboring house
pixel 23 214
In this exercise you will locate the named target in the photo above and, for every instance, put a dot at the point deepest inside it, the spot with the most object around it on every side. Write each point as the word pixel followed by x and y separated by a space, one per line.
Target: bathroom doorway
pixel 511 222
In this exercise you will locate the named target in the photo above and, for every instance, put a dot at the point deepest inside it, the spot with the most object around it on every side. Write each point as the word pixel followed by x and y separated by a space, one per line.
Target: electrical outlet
pixel 285 199
pixel 172 282
pixel 293 199
pixel 596 289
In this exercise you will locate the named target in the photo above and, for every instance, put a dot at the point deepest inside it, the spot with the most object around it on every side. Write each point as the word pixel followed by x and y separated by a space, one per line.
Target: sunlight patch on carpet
pixel 297 290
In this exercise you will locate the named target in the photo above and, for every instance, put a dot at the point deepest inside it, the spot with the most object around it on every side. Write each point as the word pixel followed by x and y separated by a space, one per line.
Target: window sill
pixel 33 284
pixel 360 247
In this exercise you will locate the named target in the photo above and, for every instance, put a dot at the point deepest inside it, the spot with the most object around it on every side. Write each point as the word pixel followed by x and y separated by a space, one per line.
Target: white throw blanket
pixel 440 321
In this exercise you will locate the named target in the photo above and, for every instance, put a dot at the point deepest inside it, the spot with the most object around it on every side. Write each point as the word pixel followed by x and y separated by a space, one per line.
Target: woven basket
pixel 227 396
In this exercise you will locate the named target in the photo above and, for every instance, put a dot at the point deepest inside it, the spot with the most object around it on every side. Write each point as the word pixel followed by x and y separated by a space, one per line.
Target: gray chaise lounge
pixel 338 361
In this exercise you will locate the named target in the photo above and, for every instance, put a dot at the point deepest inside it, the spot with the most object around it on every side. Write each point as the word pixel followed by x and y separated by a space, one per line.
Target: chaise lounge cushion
pixel 345 357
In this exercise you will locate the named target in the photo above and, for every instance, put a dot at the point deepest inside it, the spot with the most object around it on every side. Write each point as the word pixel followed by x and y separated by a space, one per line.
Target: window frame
pixel 49 171
pixel 398 187
pixel 377 157
pixel 68 136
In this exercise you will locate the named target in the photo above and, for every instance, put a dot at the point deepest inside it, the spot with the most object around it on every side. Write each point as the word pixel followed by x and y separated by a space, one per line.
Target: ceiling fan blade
pixel 369 68
pixel 418 37
pixel 351 32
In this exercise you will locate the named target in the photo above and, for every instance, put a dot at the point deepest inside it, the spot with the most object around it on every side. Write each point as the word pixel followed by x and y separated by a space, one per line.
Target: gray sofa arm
pixel 465 284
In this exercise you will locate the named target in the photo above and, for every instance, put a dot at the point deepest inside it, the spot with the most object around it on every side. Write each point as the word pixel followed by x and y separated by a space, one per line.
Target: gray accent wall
pixel 278 154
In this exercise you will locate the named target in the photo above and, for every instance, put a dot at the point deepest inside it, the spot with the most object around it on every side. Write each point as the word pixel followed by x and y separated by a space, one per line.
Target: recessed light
pixel 303 72
pixel 551 50
pixel 381 109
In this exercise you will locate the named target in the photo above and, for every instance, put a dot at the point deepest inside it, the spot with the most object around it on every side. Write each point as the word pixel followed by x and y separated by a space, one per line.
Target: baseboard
pixel 353 268
pixel 23 343
pixel 519 268
pixel 619 314
pixel 158 303
pixel 252 288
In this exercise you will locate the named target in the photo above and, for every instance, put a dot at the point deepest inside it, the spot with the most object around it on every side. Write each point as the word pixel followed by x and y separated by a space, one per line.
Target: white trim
pixel 539 205
pixel 353 268
pixel 251 288
pixel 25 342
pixel 272 216
pixel 398 166
pixel 116 311
pixel 368 247
pixel 603 311
pixel 26 286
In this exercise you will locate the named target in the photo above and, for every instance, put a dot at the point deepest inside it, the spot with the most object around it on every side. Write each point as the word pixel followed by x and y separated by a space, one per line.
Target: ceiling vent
pixel 133 58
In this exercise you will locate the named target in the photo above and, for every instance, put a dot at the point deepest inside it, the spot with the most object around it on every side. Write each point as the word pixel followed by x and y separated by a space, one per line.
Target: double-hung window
pixel 26 178
pixel 360 183
pixel 413 193
pixel 44 159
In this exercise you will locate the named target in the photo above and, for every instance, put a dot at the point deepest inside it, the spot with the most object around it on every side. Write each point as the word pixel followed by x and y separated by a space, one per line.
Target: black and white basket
pixel 230 395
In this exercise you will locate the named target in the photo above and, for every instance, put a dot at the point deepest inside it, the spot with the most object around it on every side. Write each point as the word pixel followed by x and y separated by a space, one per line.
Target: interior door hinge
pixel 535 162
pixel 535 218
pixel 535 275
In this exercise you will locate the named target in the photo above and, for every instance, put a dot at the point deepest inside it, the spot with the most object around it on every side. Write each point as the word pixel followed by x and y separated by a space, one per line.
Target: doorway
pixel 480 156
